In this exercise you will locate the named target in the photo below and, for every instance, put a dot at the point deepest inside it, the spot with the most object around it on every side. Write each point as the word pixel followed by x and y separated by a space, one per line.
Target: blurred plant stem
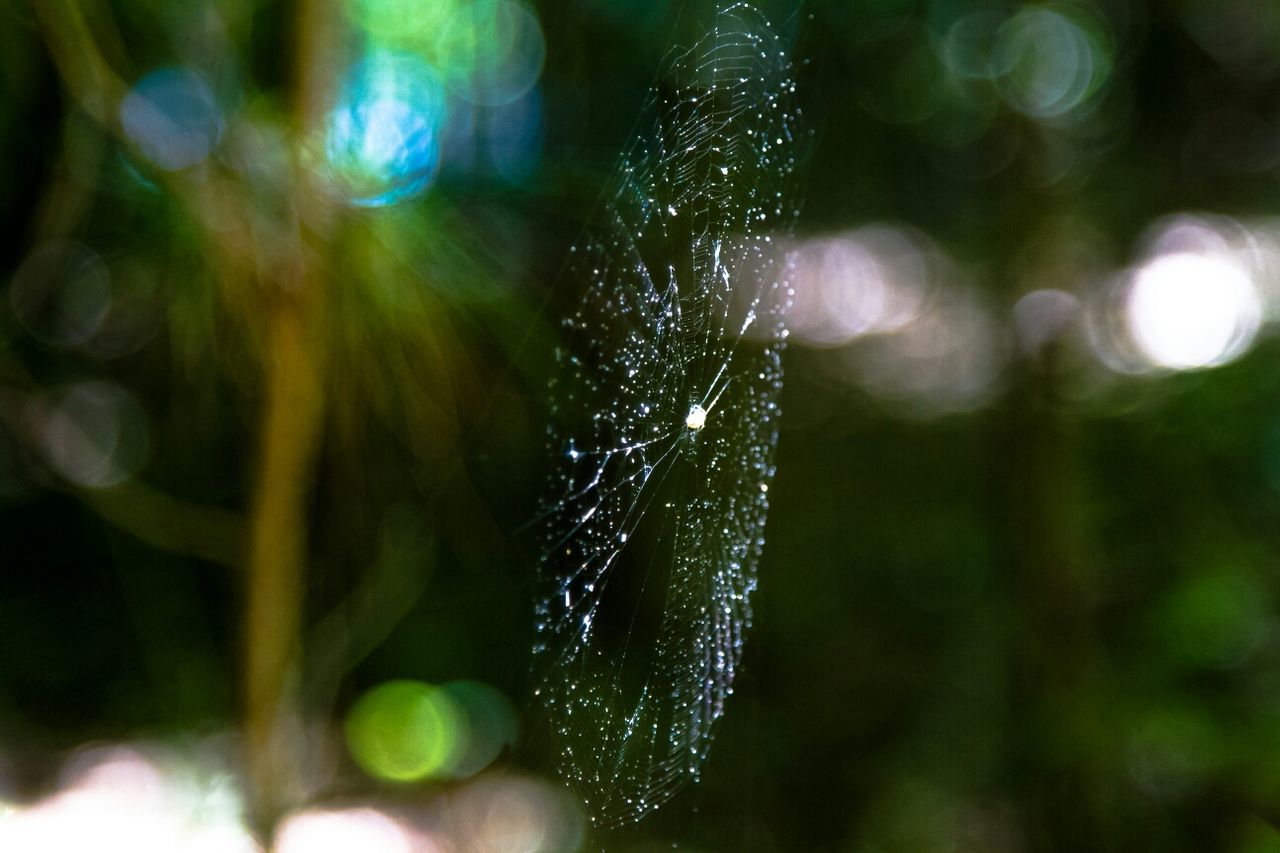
pixel 289 435
pixel 276 756
pixel 74 48
pixel 163 521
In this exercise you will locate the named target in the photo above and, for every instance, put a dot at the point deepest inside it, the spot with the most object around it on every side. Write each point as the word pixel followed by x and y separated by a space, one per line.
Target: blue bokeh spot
pixel 383 138
pixel 172 117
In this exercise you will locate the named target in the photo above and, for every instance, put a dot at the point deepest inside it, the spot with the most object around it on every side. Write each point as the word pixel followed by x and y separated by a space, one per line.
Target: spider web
pixel 665 411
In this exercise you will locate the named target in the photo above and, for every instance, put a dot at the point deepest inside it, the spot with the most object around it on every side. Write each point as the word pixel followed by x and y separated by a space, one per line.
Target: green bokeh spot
pixel 398 22
pixel 1215 619
pixel 404 731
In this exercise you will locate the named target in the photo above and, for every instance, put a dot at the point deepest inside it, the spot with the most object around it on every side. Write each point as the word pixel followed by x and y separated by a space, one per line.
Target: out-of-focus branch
pixel 319 35
pixel 209 533
pixel 85 71
pixel 353 629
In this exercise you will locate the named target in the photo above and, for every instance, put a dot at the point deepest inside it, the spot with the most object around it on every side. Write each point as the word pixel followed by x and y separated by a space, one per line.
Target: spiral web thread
pixel 665 408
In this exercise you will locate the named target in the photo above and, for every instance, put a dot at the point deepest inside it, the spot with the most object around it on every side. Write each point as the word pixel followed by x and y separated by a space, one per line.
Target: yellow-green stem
pixel 276 757
pixel 290 433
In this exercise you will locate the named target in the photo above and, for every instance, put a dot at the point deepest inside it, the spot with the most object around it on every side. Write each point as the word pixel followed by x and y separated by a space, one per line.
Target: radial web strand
pixel 665 408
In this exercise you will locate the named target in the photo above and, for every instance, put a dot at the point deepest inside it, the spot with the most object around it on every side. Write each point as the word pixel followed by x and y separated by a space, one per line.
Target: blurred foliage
pixel 1041 616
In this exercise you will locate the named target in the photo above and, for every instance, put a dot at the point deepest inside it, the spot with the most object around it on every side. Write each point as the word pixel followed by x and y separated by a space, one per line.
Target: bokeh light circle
pixel 404 731
pixel 873 280
pixel 119 799
pixel 1188 310
pixel 1041 316
pixel 509 812
pixel 382 140
pixel 967 46
pixel 353 829
pixel 492 51
pixel 1050 61
pixel 61 294
pixel 173 118
pixel 491 726
pixel 93 434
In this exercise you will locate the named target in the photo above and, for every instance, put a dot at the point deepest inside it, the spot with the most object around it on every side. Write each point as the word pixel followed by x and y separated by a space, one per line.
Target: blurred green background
pixel 280 298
